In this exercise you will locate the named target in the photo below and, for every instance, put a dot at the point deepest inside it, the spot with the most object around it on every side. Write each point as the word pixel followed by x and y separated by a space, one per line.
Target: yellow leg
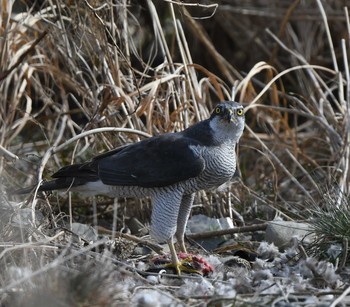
pixel 175 261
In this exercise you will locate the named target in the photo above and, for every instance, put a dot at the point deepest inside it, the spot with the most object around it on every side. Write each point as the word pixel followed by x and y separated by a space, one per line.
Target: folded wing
pixel 155 162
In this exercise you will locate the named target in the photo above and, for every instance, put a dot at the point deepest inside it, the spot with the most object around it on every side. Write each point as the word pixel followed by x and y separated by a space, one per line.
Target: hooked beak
pixel 230 116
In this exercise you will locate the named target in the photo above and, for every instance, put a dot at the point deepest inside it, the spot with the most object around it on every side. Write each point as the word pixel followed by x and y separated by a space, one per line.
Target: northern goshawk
pixel 169 168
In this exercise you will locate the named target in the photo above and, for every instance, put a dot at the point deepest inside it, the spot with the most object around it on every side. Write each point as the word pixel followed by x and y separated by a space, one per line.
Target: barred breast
pixel 220 168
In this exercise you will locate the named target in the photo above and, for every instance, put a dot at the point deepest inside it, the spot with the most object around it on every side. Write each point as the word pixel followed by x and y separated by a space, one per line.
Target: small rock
pixel 281 233
pixel 201 223
pixel 86 232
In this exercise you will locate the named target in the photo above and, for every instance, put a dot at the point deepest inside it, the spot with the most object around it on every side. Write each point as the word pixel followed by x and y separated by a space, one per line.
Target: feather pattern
pixel 170 168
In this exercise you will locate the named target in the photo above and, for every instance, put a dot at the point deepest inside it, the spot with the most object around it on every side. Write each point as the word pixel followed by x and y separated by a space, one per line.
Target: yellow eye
pixel 217 110
pixel 239 112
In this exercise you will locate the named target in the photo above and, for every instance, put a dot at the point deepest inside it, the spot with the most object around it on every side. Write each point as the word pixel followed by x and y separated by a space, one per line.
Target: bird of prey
pixel 169 168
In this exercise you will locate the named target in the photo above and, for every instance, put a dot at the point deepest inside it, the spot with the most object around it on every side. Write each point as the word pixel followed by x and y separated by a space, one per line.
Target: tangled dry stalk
pixel 78 78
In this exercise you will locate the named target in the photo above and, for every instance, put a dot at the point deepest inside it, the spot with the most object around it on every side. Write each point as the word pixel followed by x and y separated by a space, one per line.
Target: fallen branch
pixel 217 233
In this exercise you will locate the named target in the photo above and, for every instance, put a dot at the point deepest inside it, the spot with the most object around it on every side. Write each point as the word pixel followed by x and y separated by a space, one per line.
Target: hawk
pixel 170 168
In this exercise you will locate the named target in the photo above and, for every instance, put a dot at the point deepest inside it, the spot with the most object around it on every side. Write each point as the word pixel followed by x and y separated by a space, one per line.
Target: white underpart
pixel 99 188
pixel 92 188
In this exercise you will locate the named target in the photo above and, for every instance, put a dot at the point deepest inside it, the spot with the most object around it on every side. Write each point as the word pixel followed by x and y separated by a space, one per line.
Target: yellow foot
pixel 187 263
pixel 184 266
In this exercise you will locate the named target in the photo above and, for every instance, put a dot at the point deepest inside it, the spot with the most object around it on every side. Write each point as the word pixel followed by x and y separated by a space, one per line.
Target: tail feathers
pixel 22 191
pixel 56 184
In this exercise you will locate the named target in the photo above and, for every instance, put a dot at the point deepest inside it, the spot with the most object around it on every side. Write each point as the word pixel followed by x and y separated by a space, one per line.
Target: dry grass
pixel 77 79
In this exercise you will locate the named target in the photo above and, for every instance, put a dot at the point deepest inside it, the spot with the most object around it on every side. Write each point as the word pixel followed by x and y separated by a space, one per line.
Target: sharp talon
pixel 185 266
pixel 188 264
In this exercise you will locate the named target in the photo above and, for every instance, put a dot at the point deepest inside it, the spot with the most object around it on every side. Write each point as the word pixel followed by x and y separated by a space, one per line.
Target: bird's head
pixel 227 121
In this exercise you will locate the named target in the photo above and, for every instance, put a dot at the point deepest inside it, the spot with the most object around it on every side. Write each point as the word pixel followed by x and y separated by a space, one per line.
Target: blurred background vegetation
pixel 150 67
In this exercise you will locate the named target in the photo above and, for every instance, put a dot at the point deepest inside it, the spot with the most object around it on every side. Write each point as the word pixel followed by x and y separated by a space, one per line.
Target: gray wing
pixel 155 162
